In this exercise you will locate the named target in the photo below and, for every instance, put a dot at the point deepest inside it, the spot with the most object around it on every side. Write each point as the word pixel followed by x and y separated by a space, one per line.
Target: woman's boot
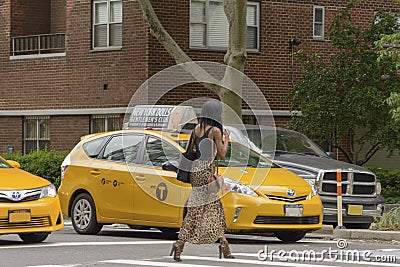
pixel 224 249
pixel 177 249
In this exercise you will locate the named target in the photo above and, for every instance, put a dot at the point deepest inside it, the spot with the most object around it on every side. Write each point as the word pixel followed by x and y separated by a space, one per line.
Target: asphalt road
pixel 118 245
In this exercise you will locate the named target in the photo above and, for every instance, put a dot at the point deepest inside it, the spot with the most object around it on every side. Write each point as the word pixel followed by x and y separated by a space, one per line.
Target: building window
pixel 391 21
pixel 209 26
pixel 104 123
pixel 107 23
pixel 36 133
pixel 319 18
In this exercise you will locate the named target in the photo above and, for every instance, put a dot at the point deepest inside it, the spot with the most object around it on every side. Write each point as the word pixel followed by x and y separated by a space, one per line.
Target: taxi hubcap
pixel 82 214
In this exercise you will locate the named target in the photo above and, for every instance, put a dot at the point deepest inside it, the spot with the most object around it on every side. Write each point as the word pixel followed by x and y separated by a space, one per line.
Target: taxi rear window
pixel 93 148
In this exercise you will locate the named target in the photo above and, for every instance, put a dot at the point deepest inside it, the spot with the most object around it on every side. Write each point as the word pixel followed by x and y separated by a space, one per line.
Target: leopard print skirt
pixel 204 222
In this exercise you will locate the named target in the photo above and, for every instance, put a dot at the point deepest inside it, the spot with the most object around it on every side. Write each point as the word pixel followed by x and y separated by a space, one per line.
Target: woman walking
pixel 204 222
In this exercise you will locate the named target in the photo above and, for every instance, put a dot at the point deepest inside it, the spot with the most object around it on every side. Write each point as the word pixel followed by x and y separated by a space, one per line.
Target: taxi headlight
pixel 48 191
pixel 236 187
pixel 314 188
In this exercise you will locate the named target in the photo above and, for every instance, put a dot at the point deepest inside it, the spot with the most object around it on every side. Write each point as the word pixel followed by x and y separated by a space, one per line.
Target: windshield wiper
pixel 280 152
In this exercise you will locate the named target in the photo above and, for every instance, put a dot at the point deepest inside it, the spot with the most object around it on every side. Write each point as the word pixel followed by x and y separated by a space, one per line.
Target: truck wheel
pixel 83 215
pixel 30 238
pixel 290 236
pixel 357 225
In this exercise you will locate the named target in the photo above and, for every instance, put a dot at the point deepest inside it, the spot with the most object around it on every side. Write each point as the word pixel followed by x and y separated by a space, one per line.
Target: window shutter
pixel 197 24
pixel 101 15
pixel 116 11
pixel 198 12
pixel 252 29
pixel 252 38
pixel 116 34
pixel 251 17
pixel 100 36
pixel 218 28
pixel 198 35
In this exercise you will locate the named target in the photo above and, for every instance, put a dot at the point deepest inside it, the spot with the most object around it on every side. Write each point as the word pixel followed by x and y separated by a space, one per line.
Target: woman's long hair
pixel 211 114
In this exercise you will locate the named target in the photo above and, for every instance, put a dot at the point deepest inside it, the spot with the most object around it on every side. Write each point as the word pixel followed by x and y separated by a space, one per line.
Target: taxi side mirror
pixel 170 166
pixel 14 163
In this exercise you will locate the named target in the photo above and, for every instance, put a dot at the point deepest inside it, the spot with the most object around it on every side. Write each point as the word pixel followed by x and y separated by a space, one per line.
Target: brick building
pixel 69 67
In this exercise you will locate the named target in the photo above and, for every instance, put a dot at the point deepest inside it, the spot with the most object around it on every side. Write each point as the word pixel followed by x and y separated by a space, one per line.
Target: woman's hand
pixel 227 133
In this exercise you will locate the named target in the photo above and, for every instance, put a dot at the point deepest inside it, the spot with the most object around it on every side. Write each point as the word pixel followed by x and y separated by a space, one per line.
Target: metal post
pixel 339 198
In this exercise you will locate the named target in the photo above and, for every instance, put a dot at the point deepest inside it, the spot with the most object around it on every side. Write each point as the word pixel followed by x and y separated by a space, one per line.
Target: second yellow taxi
pixel 29 205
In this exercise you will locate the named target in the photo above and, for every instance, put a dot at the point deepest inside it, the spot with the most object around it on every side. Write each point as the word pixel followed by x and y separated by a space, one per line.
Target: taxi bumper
pixel 260 214
pixel 43 215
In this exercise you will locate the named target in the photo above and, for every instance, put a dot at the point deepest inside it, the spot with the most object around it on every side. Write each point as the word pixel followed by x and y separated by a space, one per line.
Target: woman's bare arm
pixel 222 147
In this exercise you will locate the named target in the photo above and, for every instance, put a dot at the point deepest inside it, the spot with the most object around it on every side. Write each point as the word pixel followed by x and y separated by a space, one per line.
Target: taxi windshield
pixel 239 155
pixel 4 164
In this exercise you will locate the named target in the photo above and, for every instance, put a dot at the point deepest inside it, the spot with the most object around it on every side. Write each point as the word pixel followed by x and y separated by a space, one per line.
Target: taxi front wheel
pixel 83 215
pixel 290 236
pixel 33 237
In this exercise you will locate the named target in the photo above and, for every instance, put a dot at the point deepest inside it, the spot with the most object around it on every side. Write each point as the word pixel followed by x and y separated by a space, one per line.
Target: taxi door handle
pixel 140 178
pixel 95 172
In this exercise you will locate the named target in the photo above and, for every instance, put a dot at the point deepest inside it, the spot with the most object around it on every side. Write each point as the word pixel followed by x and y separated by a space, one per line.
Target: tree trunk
pixel 235 57
pixel 236 11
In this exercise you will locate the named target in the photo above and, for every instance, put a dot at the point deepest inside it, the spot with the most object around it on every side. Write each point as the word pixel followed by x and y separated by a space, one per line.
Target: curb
pixel 366 234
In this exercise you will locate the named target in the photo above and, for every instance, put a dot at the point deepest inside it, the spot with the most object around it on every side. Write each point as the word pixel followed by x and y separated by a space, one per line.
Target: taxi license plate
pixel 294 210
pixel 355 210
pixel 17 216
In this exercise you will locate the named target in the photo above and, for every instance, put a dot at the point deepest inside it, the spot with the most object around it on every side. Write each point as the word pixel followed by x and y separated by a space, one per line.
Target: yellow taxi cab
pixel 127 177
pixel 29 205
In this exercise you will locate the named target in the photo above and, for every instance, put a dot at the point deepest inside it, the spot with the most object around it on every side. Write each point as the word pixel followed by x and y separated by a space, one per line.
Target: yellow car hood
pixel 13 178
pixel 269 181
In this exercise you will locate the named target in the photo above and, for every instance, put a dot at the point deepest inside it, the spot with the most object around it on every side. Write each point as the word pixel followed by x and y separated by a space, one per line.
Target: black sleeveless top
pixel 203 145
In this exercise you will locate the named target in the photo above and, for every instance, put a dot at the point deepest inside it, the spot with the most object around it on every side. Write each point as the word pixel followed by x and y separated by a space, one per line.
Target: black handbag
pixel 185 163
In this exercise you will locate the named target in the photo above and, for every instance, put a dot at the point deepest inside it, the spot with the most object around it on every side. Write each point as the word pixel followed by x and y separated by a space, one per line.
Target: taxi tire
pixel 93 227
pixel 290 236
pixel 30 238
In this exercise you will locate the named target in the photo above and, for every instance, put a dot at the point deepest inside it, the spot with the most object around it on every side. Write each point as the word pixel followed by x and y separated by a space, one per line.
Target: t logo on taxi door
pixel 161 191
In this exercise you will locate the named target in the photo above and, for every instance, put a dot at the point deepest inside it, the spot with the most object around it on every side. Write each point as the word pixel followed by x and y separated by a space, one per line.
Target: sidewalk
pixel 327 231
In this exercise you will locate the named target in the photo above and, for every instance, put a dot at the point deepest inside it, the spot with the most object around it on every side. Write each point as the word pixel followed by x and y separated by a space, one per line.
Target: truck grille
pixel 353 183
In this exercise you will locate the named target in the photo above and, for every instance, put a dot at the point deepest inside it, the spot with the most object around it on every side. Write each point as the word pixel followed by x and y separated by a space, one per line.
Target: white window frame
pixel 206 23
pixel 319 23
pixel 106 118
pixel 37 138
pixel 108 46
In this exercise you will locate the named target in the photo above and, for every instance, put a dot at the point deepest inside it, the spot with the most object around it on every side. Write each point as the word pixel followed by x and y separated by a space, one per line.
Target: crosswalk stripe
pixel 254 262
pixel 154 263
pixel 94 243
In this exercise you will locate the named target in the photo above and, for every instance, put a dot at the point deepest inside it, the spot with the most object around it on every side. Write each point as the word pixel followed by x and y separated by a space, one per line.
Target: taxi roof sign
pixel 161 117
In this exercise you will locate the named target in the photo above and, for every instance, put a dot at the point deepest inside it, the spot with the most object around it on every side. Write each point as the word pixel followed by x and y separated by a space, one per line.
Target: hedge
pixel 44 163
pixel 390 181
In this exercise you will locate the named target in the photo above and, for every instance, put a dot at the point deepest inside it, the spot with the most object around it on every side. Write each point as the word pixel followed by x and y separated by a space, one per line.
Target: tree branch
pixel 371 152
pixel 169 44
